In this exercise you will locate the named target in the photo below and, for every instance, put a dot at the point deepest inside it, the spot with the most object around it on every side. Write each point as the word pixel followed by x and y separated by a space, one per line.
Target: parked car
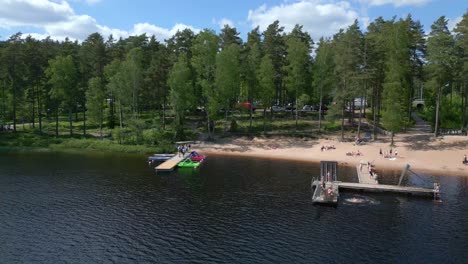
pixel 308 108
pixel 277 108
pixel 290 107
pixel 247 105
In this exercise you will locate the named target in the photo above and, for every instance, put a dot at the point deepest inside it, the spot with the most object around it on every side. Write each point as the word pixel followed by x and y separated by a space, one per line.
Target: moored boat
pixel 194 156
pixel 160 157
pixel 188 163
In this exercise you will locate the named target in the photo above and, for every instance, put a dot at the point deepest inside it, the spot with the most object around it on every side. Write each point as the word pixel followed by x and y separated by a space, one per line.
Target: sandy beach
pixel 442 156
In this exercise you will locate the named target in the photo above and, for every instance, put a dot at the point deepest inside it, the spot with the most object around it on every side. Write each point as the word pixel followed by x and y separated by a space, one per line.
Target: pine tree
pixel 461 31
pixel 441 60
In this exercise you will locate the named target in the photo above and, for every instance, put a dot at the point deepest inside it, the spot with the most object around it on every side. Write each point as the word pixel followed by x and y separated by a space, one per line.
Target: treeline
pixel 120 83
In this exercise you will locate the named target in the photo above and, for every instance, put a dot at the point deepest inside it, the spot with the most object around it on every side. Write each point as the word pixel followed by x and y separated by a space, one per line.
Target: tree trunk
pixel 112 113
pixel 39 111
pixel 264 120
pixel 251 117
pixel 360 119
pixel 14 107
pixel 436 125
pixel 225 120
pixel 120 116
pixel 164 113
pixel 208 124
pixel 84 120
pixel 34 108
pixel 56 122
pixel 100 122
pixel 320 107
pixel 342 121
pixel 295 129
pixel 70 119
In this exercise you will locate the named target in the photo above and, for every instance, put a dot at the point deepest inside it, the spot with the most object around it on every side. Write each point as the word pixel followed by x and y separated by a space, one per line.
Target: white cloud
pixel 319 18
pixel 57 19
pixel 223 21
pixel 32 13
pixel 452 23
pixel 159 32
pixel 396 3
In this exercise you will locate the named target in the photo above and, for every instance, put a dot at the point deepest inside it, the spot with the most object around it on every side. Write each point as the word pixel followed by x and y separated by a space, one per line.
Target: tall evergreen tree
pixel 440 62
pixel 348 61
pixel 204 51
pixel 323 78
pixel 461 31
pixel 229 36
pixel 13 61
pixel 227 77
pixel 62 75
pixel 397 79
pixel 274 45
pixel 266 80
pixel 297 69
pixel 181 97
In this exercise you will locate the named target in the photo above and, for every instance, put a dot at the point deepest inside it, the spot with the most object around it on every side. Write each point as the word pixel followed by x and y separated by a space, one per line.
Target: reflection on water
pixel 104 208
pixel 359 200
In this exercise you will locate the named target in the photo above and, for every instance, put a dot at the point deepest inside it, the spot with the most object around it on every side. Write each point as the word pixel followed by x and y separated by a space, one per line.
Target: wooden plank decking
pixel 171 163
pixel 364 176
pixel 320 195
pixel 386 188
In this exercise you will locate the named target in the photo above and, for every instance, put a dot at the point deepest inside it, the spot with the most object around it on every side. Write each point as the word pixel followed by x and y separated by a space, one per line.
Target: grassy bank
pixel 27 141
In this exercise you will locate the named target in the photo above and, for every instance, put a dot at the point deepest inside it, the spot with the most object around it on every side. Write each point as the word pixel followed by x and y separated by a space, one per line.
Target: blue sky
pixel 77 19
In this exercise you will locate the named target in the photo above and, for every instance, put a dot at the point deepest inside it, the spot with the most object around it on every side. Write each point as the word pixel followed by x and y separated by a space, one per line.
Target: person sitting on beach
pixel 322 148
pixel 465 160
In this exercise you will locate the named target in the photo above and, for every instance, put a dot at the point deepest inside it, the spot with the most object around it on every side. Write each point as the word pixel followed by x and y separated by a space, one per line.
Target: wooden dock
pixel 326 191
pixel 327 195
pixel 380 188
pixel 364 175
pixel 386 188
pixel 171 163
pixel 326 188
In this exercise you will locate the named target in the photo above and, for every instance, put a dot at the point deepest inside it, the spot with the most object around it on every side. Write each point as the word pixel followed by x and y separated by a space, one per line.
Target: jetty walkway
pixel 171 163
pixel 326 190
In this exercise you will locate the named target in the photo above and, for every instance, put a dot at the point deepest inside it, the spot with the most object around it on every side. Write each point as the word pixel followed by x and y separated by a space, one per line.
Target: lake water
pixel 71 208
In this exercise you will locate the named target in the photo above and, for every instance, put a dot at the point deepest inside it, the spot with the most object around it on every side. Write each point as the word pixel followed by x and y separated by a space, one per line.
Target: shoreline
pixel 437 157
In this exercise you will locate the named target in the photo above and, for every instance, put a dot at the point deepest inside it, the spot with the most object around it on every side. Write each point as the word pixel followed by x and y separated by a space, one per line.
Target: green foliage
pixel 396 86
pixel 227 77
pixel 96 102
pixel 181 93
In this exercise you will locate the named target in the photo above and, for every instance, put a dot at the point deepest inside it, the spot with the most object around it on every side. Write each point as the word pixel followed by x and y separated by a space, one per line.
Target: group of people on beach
pixel 182 149
pixel 354 153
pixel 389 154
pixel 327 147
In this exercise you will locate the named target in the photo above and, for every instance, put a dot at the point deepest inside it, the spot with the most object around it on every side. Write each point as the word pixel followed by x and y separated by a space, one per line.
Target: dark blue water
pixel 64 208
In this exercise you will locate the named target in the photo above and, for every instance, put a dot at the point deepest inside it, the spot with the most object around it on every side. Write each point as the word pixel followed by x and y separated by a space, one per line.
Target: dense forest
pixel 137 89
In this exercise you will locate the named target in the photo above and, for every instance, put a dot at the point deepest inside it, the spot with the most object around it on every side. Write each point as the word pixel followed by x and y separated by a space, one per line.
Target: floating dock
pixel 364 175
pixel 417 191
pixel 326 190
pixel 171 163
